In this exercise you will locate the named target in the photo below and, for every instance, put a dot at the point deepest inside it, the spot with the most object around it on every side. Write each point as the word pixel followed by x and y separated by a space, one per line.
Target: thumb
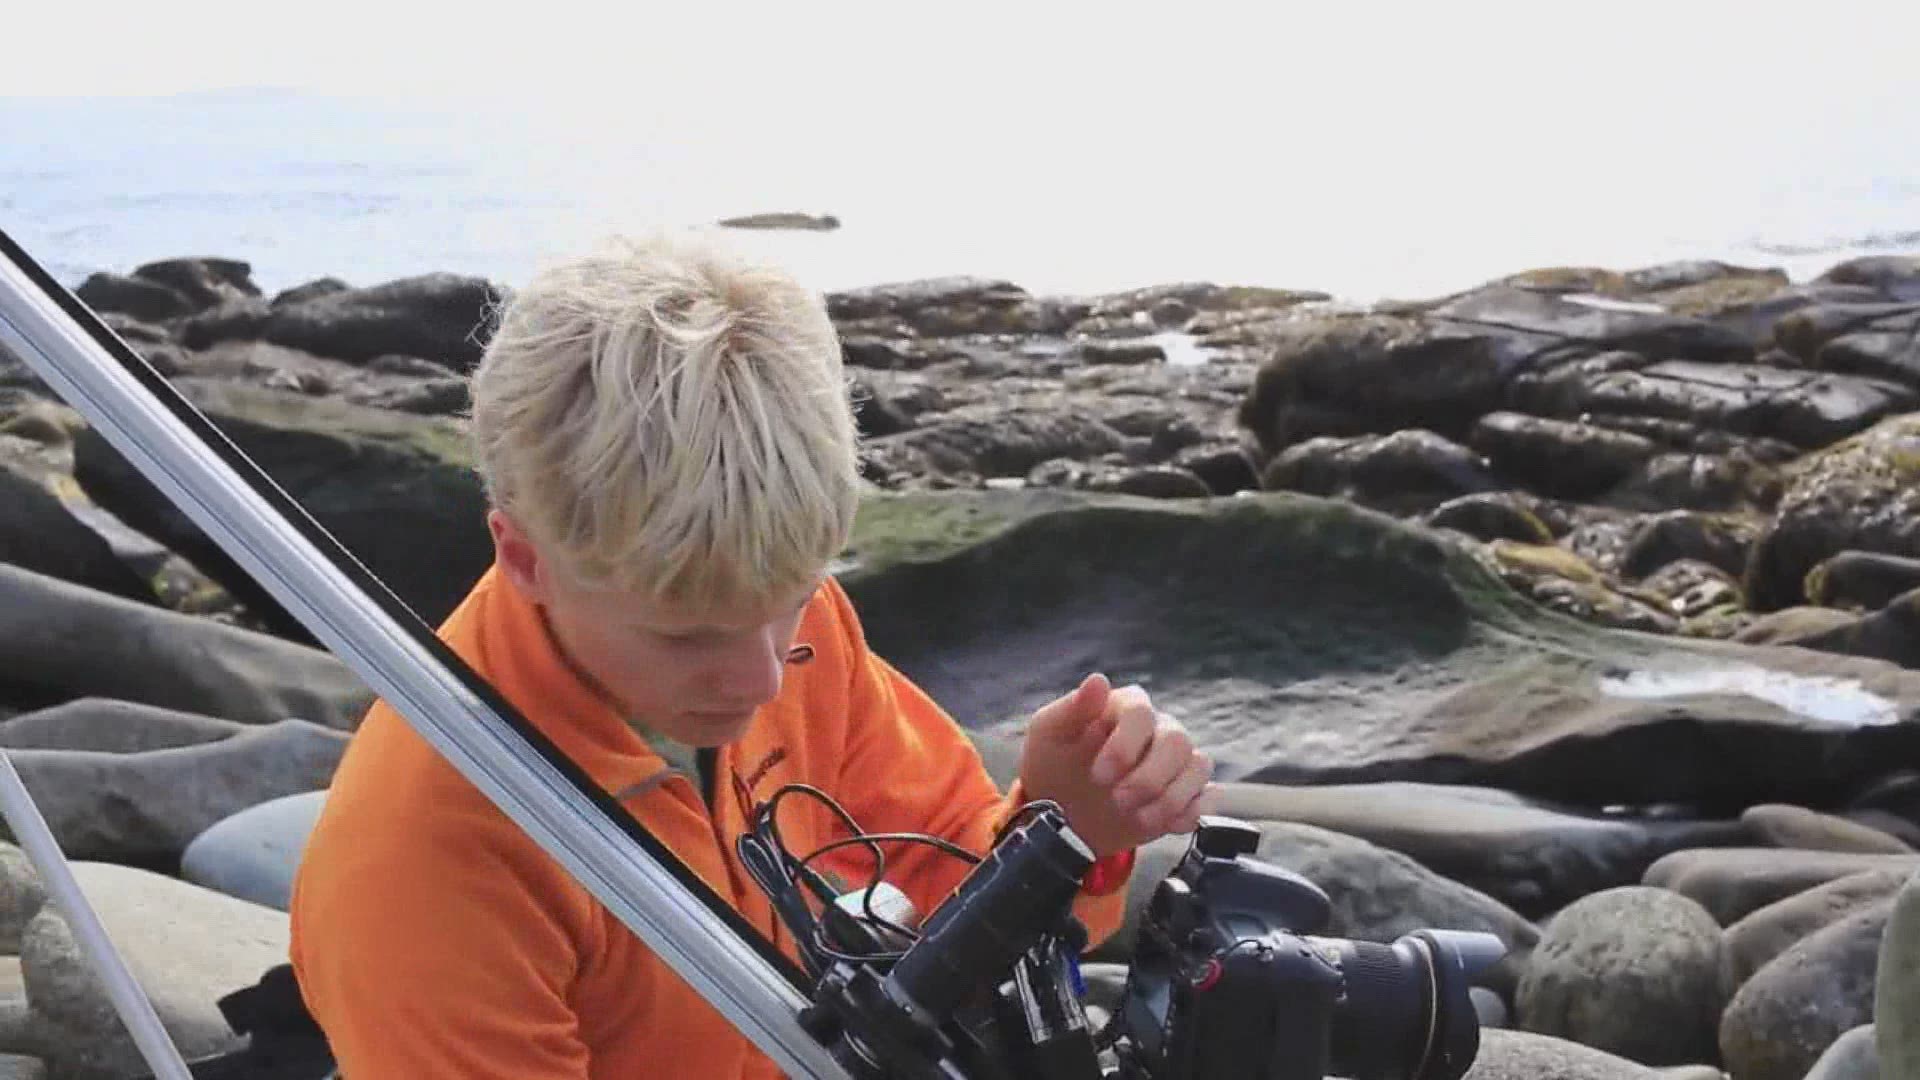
pixel 1068 718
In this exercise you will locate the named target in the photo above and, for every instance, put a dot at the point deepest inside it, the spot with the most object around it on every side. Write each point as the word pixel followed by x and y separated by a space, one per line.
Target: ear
pixel 519 560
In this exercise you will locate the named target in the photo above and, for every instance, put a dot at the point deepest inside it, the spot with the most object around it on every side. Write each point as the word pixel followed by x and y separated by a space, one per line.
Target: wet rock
pixel 1635 971
pixel 955 306
pixel 1717 540
pixel 1798 827
pixel 1895 276
pixel 1789 1013
pixel 1120 352
pixel 150 301
pixel 235 320
pixel 1689 589
pixel 1897 987
pixel 1224 469
pixel 37 533
pixel 1491 516
pixel 1758 937
pixel 1556 457
pixel 1794 625
pixel 366 475
pixel 64 642
pixel 310 290
pixel 1531 855
pixel 443 317
pixel 1852 1056
pixel 1406 470
pixel 1732 883
pixel 1891 634
pixel 206 283
pixel 1008 443
pixel 1153 482
pixel 1859 580
pixel 1701 482
pixel 1374 650
pixel 1862 494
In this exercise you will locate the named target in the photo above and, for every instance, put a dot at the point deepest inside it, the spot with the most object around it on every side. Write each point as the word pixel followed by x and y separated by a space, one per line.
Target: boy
pixel 669 453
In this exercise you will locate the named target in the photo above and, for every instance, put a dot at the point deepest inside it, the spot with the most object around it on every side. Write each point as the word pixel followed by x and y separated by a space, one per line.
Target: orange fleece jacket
pixel 433 940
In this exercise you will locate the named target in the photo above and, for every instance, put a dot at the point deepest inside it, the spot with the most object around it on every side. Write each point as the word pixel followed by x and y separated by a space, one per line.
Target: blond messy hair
pixel 664 417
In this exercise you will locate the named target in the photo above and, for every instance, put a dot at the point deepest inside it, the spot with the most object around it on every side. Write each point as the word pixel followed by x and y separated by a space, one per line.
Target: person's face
pixel 695 676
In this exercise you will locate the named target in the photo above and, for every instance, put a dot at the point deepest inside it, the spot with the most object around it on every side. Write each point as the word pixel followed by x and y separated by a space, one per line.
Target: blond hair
pixel 665 417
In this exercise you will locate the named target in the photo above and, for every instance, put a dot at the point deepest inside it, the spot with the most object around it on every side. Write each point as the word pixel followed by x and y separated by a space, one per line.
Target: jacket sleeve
pixel 908 767
pixel 454 973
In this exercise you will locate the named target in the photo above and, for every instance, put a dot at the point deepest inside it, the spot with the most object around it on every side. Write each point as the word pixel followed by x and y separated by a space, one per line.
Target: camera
pixel 1228 979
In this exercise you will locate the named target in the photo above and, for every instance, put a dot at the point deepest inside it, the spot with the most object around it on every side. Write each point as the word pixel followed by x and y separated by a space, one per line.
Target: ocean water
pixel 304 185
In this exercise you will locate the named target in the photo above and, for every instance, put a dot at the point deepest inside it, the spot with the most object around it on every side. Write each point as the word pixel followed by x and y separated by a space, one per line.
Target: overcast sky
pixel 1636 69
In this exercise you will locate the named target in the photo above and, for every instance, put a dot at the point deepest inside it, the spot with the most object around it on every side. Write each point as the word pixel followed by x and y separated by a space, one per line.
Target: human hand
pixel 1122 772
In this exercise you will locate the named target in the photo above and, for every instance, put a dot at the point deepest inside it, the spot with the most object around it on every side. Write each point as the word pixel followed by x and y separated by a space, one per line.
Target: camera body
pixel 1228 981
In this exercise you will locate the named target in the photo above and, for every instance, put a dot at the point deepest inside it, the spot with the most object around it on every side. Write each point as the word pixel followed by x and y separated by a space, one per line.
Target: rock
pixel 253 854
pixel 1523 1055
pixel 311 290
pixel 1799 827
pixel 204 282
pixel 955 306
pixel 1095 351
pixel 1689 589
pixel 1735 882
pixel 1635 971
pixel 1716 540
pixel 1374 650
pixel 1861 580
pixel 112 727
pixel 1787 1015
pixel 1413 469
pixel 1709 482
pixel 1807 408
pixel 146 807
pixel 1491 516
pixel 21 895
pixel 1852 1056
pixel 147 300
pixel 186 946
pixel 1891 634
pixel 1556 457
pixel 1224 469
pixel 1530 855
pixel 1377 895
pixel 1794 625
pixel 64 642
pixel 37 533
pixel 1897 986
pixel 1008 444
pixel 1862 494
pixel 783 220
pixel 1148 481
pixel 1896 276
pixel 238 320
pixel 366 475
pixel 443 317
pixel 1766 932
pixel 894 354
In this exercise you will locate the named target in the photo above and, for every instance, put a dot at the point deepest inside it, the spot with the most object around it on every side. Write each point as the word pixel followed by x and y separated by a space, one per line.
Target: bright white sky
pixel 1714 67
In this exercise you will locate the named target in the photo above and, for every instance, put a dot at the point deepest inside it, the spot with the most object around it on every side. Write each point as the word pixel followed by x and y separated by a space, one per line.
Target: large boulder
pixel 1897 986
pixel 1306 640
pixel 1787 1015
pixel 38 533
pixel 397 491
pixel 186 946
pixel 443 317
pixel 1636 971
pixel 63 642
pixel 1862 494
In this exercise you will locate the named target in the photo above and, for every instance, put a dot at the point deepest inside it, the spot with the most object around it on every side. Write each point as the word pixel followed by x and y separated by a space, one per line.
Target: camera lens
pixel 1406 1013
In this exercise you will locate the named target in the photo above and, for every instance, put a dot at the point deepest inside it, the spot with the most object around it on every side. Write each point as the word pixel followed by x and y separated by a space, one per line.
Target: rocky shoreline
pixel 1579 607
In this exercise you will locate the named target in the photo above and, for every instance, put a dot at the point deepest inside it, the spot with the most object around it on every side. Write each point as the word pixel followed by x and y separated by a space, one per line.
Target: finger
pixel 1133 722
pixel 1188 819
pixel 1164 760
pixel 1069 716
pixel 1160 816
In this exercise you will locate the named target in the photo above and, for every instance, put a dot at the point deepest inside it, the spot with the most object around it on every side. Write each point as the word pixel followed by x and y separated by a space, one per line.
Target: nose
pixel 747 675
